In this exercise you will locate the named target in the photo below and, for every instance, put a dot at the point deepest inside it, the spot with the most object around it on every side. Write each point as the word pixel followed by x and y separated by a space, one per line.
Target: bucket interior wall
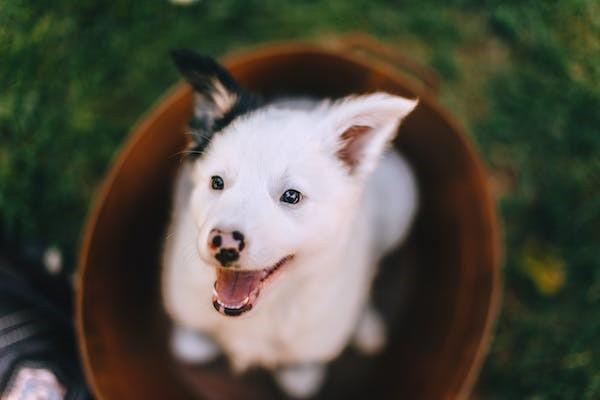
pixel 438 337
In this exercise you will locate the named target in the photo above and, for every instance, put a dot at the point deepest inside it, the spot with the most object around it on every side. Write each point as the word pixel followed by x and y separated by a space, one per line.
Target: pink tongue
pixel 233 287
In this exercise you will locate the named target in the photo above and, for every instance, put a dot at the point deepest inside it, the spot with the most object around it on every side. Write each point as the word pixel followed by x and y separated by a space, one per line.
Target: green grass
pixel 523 76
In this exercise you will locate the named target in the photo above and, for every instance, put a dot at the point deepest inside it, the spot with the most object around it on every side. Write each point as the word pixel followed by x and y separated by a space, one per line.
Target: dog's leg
pixel 370 335
pixel 301 381
pixel 191 346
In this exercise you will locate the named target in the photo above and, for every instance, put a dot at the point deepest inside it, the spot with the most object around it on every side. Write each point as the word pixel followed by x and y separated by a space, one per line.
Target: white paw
pixel 192 347
pixel 301 381
pixel 370 335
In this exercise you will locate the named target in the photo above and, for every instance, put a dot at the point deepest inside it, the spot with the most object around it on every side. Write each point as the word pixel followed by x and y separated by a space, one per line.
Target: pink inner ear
pixel 352 144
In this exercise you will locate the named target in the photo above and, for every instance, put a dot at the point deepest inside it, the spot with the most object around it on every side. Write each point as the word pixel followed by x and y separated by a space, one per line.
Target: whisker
pixel 185 153
pixel 206 136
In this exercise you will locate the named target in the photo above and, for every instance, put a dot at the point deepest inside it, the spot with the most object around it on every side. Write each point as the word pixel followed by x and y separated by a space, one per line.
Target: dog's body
pixel 298 267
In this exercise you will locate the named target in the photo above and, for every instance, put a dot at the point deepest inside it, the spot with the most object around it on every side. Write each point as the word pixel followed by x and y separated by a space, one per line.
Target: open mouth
pixel 236 291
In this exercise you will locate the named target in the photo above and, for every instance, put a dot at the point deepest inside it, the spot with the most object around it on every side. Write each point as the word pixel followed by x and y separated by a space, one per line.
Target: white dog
pixel 281 214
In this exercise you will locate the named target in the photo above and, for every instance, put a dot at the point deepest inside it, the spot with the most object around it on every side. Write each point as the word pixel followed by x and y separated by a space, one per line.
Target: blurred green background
pixel 522 76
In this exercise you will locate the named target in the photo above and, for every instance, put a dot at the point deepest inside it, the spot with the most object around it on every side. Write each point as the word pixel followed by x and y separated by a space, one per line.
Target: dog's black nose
pixel 227 256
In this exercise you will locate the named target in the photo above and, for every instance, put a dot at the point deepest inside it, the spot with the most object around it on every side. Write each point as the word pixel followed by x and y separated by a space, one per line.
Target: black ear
pixel 216 89
pixel 218 100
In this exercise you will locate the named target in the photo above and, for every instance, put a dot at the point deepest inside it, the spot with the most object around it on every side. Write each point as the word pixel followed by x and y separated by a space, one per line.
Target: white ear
pixel 361 127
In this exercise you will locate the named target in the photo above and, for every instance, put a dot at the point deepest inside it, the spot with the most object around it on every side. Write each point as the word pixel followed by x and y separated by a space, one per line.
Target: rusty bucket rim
pixel 248 55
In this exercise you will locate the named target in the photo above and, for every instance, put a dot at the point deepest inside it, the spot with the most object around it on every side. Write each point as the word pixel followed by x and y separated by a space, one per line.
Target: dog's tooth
pixel 240 305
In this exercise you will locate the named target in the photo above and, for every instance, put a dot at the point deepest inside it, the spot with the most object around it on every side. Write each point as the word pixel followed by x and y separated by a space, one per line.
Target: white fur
pixel 191 346
pixel 337 233
pixel 370 336
pixel 301 381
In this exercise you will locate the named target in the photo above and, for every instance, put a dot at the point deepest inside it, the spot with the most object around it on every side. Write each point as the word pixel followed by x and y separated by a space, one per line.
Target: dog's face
pixel 274 186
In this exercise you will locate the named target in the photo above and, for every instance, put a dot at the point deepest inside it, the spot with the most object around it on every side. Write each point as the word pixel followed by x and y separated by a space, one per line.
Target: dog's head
pixel 274 185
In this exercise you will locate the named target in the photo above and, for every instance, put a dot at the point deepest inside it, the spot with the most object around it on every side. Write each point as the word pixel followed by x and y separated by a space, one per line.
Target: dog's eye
pixel 291 196
pixel 216 182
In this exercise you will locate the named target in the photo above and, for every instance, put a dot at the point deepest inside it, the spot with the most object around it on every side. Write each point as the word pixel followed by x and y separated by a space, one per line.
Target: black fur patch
pixel 203 130
pixel 201 72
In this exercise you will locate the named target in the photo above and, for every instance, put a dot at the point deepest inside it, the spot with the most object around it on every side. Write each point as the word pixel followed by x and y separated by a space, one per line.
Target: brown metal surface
pixel 437 345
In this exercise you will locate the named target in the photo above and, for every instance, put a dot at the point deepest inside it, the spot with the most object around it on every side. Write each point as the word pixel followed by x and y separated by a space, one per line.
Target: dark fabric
pixel 37 344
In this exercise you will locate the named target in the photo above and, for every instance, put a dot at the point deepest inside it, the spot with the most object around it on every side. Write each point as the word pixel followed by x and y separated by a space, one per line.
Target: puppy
pixel 281 213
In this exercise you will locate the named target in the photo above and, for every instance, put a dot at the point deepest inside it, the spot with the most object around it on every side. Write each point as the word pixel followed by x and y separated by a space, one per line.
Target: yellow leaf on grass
pixel 545 268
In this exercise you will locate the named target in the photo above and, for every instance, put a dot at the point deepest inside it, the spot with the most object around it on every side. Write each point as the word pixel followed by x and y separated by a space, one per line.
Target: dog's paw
pixel 301 381
pixel 192 347
pixel 370 335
